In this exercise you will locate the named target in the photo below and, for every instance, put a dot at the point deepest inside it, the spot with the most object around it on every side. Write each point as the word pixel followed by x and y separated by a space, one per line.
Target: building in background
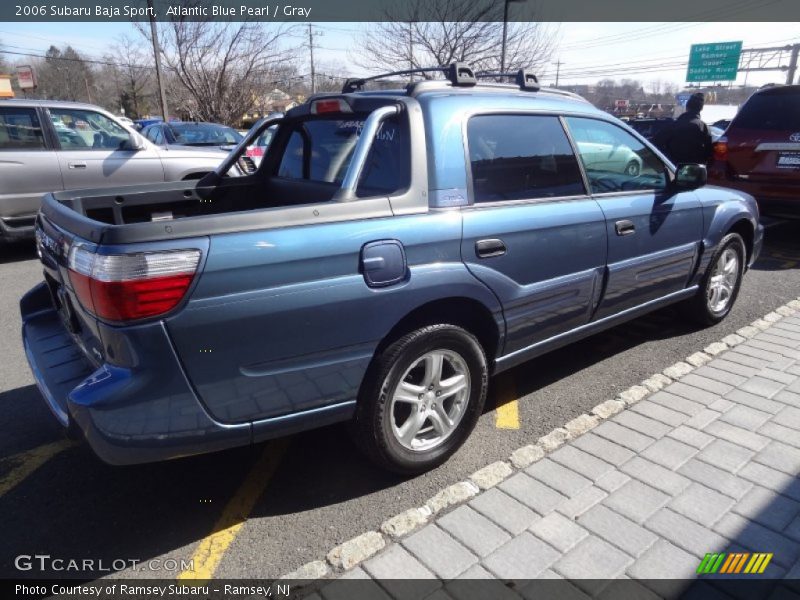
pixel 5 87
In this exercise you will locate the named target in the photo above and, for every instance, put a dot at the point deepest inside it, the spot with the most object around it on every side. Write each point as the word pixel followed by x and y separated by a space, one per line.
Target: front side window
pixel 87 130
pixel 20 129
pixel 519 157
pixel 614 160
pixel 320 150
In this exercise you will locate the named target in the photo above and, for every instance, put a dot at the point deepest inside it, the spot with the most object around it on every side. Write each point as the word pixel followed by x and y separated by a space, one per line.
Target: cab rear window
pixel 778 110
pixel 320 150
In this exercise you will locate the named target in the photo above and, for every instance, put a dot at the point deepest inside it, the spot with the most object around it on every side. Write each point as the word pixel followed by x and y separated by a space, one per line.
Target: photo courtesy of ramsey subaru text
pixel 392 250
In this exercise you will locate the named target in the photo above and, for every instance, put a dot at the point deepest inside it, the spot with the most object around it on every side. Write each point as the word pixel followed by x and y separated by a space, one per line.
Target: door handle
pixel 76 165
pixel 625 227
pixel 489 248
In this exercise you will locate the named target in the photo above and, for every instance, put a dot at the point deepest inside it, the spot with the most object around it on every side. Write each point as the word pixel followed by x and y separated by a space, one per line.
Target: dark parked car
pixel 393 250
pixel 759 153
pixel 192 134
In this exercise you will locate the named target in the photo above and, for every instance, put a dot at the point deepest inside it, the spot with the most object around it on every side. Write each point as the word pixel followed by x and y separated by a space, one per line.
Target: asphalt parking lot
pixel 264 511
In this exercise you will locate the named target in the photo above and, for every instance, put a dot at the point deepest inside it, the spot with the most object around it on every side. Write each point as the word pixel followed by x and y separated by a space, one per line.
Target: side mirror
pixel 134 142
pixel 690 177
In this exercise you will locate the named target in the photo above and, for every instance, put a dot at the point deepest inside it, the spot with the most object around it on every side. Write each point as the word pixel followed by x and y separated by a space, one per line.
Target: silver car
pixel 49 145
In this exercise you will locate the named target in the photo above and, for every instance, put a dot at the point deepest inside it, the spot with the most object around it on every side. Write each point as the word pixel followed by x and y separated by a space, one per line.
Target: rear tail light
pixel 721 149
pixel 125 287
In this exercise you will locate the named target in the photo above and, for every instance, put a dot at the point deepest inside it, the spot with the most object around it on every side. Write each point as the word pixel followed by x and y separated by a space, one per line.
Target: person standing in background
pixel 687 140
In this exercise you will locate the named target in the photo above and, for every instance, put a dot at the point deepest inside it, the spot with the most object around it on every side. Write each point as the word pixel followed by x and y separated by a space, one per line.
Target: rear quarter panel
pixel 282 320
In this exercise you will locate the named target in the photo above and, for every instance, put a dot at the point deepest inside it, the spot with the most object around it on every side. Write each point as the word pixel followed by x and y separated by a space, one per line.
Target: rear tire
pixel 421 398
pixel 720 285
pixel 632 169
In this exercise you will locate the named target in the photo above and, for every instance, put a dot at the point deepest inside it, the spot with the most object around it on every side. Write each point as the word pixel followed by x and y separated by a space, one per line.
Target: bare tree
pixel 222 68
pixel 134 71
pixel 65 75
pixel 424 33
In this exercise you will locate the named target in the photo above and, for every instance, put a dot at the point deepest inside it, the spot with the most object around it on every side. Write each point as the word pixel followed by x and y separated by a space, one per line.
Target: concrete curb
pixel 355 551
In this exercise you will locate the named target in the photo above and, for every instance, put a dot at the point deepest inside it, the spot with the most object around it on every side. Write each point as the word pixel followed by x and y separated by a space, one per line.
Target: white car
pixel 609 157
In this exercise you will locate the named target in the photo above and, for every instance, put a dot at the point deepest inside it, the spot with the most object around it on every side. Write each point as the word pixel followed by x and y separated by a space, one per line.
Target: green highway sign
pixel 714 62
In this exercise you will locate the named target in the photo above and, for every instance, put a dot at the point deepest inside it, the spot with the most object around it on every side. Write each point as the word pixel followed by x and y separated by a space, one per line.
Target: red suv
pixel 759 153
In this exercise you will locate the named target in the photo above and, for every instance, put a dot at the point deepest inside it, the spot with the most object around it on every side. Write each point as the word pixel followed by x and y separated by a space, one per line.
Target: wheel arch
pixel 744 228
pixel 471 314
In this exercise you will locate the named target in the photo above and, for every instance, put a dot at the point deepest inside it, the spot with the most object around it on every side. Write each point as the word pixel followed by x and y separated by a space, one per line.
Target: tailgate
pixel 53 245
pixel 765 156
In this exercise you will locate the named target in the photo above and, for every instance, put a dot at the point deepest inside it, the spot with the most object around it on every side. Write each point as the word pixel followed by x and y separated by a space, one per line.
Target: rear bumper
pixel 773 199
pixel 127 416
pixel 17 228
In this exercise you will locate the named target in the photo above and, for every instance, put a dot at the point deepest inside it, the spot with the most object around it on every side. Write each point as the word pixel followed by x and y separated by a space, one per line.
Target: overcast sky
pixel 588 51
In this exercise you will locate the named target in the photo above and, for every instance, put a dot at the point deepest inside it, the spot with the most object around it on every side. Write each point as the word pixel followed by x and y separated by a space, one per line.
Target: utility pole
pixel 792 64
pixel 558 70
pixel 88 93
pixel 410 52
pixel 162 95
pixel 505 37
pixel 311 47
pixel 505 34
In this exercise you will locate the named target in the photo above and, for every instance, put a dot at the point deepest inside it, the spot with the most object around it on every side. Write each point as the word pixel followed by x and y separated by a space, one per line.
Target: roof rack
pixel 526 80
pixel 457 73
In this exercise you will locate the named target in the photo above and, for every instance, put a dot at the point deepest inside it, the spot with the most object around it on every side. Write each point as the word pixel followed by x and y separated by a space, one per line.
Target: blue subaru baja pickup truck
pixel 391 252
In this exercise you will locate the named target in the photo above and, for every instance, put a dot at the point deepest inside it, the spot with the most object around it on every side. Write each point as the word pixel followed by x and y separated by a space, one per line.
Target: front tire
pixel 720 285
pixel 421 398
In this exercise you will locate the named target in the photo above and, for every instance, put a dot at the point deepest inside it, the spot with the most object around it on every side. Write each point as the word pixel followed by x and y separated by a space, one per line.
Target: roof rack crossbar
pixel 458 74
pixel 526 80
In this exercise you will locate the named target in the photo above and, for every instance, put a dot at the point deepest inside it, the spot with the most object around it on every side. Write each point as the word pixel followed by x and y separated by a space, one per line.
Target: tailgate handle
pixel 76 165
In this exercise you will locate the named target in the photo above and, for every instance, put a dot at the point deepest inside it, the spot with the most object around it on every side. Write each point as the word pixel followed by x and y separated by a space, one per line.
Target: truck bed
pixel 154 212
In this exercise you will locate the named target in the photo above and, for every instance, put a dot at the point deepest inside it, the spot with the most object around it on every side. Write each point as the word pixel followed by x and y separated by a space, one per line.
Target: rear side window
pixel 20 129
pixel 778 110
pixel 521 157
pixel 320 150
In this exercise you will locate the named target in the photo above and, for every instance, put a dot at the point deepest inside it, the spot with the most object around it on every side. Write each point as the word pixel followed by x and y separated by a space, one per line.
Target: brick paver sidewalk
pixel 708 464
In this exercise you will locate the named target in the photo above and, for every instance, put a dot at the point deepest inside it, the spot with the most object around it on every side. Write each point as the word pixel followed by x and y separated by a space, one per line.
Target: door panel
pixel 653 232
pixel 28 169
pixel 549 278
pixel 543 256
pixel 657 258
pixel 91 154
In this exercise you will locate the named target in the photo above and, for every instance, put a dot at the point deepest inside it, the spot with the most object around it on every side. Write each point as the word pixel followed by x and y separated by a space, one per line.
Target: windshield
pixel 204 134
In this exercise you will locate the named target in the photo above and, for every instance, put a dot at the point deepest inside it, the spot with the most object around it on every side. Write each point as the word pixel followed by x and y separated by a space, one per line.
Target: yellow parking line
pixel 212 548
pixel 507 412
pixel 27 462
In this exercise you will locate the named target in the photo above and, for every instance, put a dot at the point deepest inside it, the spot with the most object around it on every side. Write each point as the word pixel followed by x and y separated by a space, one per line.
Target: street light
pixel 505 33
